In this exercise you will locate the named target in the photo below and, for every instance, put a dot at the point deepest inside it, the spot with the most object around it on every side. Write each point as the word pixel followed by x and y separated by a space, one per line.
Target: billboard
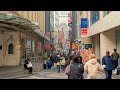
pixel 84 27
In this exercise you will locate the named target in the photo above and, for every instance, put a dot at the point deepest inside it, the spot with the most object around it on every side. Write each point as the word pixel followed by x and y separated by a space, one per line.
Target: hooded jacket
pixel 92 68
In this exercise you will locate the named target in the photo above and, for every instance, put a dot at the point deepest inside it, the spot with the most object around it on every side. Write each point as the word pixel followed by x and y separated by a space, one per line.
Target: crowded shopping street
pixel 59 44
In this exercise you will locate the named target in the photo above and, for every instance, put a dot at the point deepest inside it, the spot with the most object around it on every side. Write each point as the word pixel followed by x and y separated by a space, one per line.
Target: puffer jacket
pixel 92 68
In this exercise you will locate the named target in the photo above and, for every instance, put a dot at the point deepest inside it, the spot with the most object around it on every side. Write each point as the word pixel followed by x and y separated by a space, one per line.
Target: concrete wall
pixel 9 59
pixel 97 46
pixel 106 23
pixel 107 42
pixel 42 21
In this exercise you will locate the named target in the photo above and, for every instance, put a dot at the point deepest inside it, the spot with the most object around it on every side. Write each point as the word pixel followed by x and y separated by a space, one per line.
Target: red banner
pixel 84 31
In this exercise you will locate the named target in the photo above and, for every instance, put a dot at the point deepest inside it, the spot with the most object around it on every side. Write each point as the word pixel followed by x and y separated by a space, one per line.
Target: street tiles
pixel 47 74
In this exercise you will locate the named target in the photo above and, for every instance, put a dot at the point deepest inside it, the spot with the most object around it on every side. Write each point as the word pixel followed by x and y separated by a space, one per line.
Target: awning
pixel 22 22
pixel 9 18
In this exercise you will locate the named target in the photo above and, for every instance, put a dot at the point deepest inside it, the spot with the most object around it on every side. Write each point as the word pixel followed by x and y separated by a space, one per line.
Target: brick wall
pixel 9 59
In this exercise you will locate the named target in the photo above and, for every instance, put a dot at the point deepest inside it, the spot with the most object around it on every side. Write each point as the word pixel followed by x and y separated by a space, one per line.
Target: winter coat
pixel 67 62
pixel 92 68
pixel 80 59
pixel 108 61
pixel 76 71
pixel 115 56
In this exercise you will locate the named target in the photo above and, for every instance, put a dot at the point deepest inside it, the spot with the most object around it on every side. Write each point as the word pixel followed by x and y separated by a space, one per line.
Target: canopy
pixel 22 23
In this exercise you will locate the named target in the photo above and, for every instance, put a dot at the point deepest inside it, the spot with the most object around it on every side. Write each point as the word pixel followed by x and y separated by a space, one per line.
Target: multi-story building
pixel 83 39
pixel 104 31
pixel 49 27
pixel 56 27
pixel 63 17
pixel 63 27
pixel 22 36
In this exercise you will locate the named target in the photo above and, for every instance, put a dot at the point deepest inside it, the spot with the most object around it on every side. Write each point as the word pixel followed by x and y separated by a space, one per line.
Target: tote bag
pixel 29 65
pixel 67 70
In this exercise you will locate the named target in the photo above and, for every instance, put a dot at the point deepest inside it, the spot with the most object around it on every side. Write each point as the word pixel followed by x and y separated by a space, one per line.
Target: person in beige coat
pixel 92 68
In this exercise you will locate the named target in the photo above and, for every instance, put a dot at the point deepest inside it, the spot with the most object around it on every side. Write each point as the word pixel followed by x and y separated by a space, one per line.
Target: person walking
pixel 62 63
pixel 92 68
pixel 115 57
pixel 58 63
pixel 108 62
pixel 76 69
pixel 73 52
pixel 67 65
pixel 78 54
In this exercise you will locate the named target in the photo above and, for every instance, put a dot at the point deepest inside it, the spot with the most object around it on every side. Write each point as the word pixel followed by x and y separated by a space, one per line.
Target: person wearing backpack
pixel 115 57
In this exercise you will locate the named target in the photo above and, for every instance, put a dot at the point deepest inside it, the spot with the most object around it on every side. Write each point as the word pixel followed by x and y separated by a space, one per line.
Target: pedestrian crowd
pixel 72 65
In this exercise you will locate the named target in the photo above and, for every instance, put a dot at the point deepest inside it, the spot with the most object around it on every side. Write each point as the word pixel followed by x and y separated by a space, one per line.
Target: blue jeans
pixel 108 74
pixel 58 68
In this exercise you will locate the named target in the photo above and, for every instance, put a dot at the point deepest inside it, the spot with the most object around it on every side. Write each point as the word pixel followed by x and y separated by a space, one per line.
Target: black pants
pixel 115 64
pixel 58 68
pixel 62 67
pixel 30 69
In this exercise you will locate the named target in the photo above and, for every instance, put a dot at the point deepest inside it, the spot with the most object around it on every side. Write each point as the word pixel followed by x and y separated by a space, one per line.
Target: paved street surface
pixel 51 74
pixel 47 74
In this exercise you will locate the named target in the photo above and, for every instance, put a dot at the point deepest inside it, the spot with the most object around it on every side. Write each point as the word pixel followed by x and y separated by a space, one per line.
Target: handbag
pixel 67 70
pixel 29 65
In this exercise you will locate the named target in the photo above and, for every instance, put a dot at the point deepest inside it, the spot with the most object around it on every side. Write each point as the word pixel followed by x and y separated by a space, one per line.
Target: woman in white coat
pixel 92 68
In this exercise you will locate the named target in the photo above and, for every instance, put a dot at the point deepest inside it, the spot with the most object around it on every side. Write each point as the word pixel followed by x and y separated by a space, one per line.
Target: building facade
pixel 83 39
pixel 21 36
pixel 56 28
pixel 104 31
pixel 63 28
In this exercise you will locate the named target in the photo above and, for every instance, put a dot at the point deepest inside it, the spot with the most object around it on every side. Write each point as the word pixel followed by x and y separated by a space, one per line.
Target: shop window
pixel 10 49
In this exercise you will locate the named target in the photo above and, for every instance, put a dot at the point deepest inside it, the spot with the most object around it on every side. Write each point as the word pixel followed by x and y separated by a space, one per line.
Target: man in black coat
pixel 78 54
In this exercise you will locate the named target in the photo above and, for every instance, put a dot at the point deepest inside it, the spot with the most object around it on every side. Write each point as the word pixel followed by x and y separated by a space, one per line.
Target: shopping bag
pixel 29 65
pixel 67 70
pixel 118 71
pixel 115 71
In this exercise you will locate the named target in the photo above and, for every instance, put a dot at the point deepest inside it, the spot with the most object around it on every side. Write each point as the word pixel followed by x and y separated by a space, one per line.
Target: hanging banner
pixel 84 31
pixel 84 27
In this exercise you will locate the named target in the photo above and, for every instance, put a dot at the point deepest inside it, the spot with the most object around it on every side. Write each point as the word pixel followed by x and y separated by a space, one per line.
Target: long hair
pixel 71 57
